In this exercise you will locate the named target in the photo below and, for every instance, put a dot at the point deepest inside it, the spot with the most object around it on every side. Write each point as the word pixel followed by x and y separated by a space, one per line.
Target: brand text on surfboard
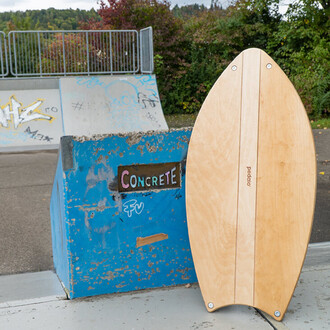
pixel 249 176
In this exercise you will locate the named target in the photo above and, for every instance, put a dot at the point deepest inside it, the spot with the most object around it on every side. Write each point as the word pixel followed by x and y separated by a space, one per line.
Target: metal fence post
pixel 87 44
pixel 63 45
pixel 39 48
pixel 111 59
pixel 146 50
pixel 15 56
pixel 3 55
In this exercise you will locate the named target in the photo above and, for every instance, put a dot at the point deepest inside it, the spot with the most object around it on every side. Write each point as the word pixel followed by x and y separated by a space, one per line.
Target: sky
pixel 14 5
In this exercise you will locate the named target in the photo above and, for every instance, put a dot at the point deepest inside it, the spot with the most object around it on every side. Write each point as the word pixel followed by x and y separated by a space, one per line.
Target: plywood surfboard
pixel 250 187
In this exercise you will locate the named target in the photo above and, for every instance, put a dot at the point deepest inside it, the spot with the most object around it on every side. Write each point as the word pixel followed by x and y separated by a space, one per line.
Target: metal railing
pixel 60 53
pixel 146 50
pixel 3 55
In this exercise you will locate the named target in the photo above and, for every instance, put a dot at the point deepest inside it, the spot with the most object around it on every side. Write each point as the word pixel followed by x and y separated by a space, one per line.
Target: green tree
pixel 301 46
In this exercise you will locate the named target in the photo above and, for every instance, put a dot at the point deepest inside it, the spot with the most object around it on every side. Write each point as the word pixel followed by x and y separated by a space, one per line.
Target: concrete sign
pixel 149 177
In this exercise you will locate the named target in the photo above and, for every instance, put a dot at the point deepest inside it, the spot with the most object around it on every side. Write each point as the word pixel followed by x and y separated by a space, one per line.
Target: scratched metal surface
pixel 102 225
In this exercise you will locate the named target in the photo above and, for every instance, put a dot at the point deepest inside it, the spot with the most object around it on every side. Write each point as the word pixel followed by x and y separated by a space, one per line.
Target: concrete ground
pixel 36 301
pixel 25 188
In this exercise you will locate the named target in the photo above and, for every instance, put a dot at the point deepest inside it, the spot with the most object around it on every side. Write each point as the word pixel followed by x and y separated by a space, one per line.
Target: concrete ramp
pixel 35 112
pixel 111 104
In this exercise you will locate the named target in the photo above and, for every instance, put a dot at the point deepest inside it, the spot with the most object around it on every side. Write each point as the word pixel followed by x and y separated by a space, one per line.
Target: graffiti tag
pixel 14 112
pixel 77 106
pixel 37 136
pixel 133 206
pixel 122 93
pixel 52 109
pixel 146 80
pixel 145 100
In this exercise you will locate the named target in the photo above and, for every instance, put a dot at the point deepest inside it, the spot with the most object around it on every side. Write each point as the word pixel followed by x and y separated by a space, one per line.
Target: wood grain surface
pixel 250 187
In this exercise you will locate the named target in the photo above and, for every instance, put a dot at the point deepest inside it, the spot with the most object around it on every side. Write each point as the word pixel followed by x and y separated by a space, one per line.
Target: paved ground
pixel 321 228
pixel 25 188
pixel 36 301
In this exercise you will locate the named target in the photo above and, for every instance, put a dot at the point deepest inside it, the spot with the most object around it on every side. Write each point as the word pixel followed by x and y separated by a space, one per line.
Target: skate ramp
pixel 36 112
pixel 111 104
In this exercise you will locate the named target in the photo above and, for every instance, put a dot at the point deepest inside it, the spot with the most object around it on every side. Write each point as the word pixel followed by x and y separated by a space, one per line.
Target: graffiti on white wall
pixel 14 112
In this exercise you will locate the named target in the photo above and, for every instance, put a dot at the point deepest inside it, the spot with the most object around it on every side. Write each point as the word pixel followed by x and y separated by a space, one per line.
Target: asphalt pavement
pixel 26 181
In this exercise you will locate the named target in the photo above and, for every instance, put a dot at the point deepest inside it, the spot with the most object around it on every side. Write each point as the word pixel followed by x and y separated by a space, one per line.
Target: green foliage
pixel 323 123
pixel 188 11
pixel 185 92
pixel 301 46
pixel 46 19
pixel 299 42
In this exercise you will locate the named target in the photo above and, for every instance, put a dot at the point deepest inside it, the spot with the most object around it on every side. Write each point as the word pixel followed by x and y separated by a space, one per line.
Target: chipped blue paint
pixel 96 250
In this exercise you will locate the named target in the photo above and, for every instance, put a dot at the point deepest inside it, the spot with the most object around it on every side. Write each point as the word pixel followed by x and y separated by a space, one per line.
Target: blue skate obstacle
pixel 118 213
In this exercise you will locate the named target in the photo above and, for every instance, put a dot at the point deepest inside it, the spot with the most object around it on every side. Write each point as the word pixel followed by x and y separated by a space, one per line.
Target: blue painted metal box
pixel 118 213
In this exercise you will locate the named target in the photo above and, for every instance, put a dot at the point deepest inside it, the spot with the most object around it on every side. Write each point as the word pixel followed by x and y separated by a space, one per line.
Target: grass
pixel 188 120
pixel 323 123
pixel 181 120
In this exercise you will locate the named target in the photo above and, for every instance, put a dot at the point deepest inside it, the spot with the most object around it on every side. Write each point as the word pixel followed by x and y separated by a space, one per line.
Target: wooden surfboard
pixel 250 187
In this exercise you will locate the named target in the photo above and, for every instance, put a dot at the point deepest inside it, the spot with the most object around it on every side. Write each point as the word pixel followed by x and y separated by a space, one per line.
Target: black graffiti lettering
pixel 147 101
pixel 32 134
pixel 51 109
pixel 37 136
pixel 47 138
pixel 77 106
pixel 153 119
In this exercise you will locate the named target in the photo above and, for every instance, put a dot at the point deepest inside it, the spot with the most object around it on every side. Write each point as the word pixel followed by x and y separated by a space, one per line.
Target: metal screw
pixel 268 66
pixel 277 313
pixel 210 305
pixel 234 67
